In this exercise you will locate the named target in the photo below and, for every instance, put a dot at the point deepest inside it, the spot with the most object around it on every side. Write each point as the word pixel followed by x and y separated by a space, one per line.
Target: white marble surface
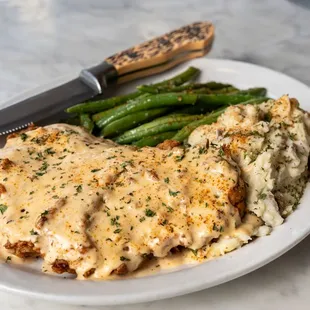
pixel 41 40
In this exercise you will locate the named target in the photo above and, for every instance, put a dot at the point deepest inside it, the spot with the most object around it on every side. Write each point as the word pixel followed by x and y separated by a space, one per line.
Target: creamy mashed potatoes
pixel 93 208
pixel 270 144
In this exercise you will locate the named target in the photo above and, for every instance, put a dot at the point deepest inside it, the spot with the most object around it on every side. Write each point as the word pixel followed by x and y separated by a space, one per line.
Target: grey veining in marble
pixel 41 40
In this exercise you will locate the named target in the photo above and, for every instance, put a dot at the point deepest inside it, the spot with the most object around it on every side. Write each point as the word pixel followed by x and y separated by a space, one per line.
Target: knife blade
pixel 145 59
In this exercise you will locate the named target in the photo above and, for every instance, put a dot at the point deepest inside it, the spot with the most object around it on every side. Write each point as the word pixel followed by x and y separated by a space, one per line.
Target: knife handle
pixel 154 56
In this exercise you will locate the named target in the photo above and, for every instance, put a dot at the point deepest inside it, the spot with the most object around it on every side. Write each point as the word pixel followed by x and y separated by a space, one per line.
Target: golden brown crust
pixel 89 272
pixel 168 144
pixel 121 270
pixel 2 189
pixel 6 164
pixel 237 195
pixel 23 249
pixel 60 266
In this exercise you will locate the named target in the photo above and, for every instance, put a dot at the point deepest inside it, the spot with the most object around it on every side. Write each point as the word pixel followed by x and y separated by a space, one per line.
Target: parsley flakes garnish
pixel 3 208
pixel 221 152
pixel 149 213
pixel 172 193
pixel 202 150
pixel 194 251
pixel 170 210
pixel 33 233
pixel 49 151
pixel 262 196
pixel 79 188
pixel 123 258
pixel 218 228
pixel 44 213
pixel 23 136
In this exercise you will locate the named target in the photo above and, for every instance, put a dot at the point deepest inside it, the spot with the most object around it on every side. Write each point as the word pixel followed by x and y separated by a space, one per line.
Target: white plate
pixel 186 279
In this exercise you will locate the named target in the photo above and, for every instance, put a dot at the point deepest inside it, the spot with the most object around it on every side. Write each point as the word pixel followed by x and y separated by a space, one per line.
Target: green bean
pixel 154 140
pixel 225 90
pixel 163 124
pixel 222 99
pixel 212 86
pixel 130 121
pixel 177 80
pixel 187 130
pixel 198 108
pixel 256 100
pixel 86 122
pixel 101 105
pixel 145 103
pixel 257 91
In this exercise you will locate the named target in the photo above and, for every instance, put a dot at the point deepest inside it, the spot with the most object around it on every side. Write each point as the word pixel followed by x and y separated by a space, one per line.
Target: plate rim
pixel 118 299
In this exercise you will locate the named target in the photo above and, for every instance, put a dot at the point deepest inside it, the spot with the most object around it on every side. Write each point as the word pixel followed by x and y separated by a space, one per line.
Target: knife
pixel 151 57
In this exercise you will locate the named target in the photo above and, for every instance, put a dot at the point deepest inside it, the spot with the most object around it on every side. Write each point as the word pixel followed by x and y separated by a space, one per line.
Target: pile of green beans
pixel 167 110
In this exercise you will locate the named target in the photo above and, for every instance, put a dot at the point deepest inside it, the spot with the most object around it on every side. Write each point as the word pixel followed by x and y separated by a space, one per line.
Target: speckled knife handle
pixel 156 55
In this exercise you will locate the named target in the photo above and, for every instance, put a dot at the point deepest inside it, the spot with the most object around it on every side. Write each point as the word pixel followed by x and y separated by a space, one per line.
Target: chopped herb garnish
pixel 49 151
pixel 194 251
pixel 202 150
pixel 179 157
pixel 165 222
pixel 142 219
pixel 123 258
pixel 262 196
pixel 126 163
pixel 149 213
pixel 5 179
pixel 166 180
pixel 221 152
pixel 114 221
pixel 23 136
pixel 148 198
pixel 31 193
pixel 9 258
pixel 33 233
pixel 79 188
pixel 44 213
pixel 218 228
pixel 117 231
pixel 174 194
pixel 3 208
pixel 206 204
pixel 95 170
pixel 170 210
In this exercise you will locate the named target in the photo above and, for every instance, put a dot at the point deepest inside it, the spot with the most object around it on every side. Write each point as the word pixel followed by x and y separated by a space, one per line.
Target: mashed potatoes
pixel 270 143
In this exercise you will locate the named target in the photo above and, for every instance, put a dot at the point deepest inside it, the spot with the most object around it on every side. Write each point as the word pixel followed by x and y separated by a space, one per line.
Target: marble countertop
pixel 41 40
